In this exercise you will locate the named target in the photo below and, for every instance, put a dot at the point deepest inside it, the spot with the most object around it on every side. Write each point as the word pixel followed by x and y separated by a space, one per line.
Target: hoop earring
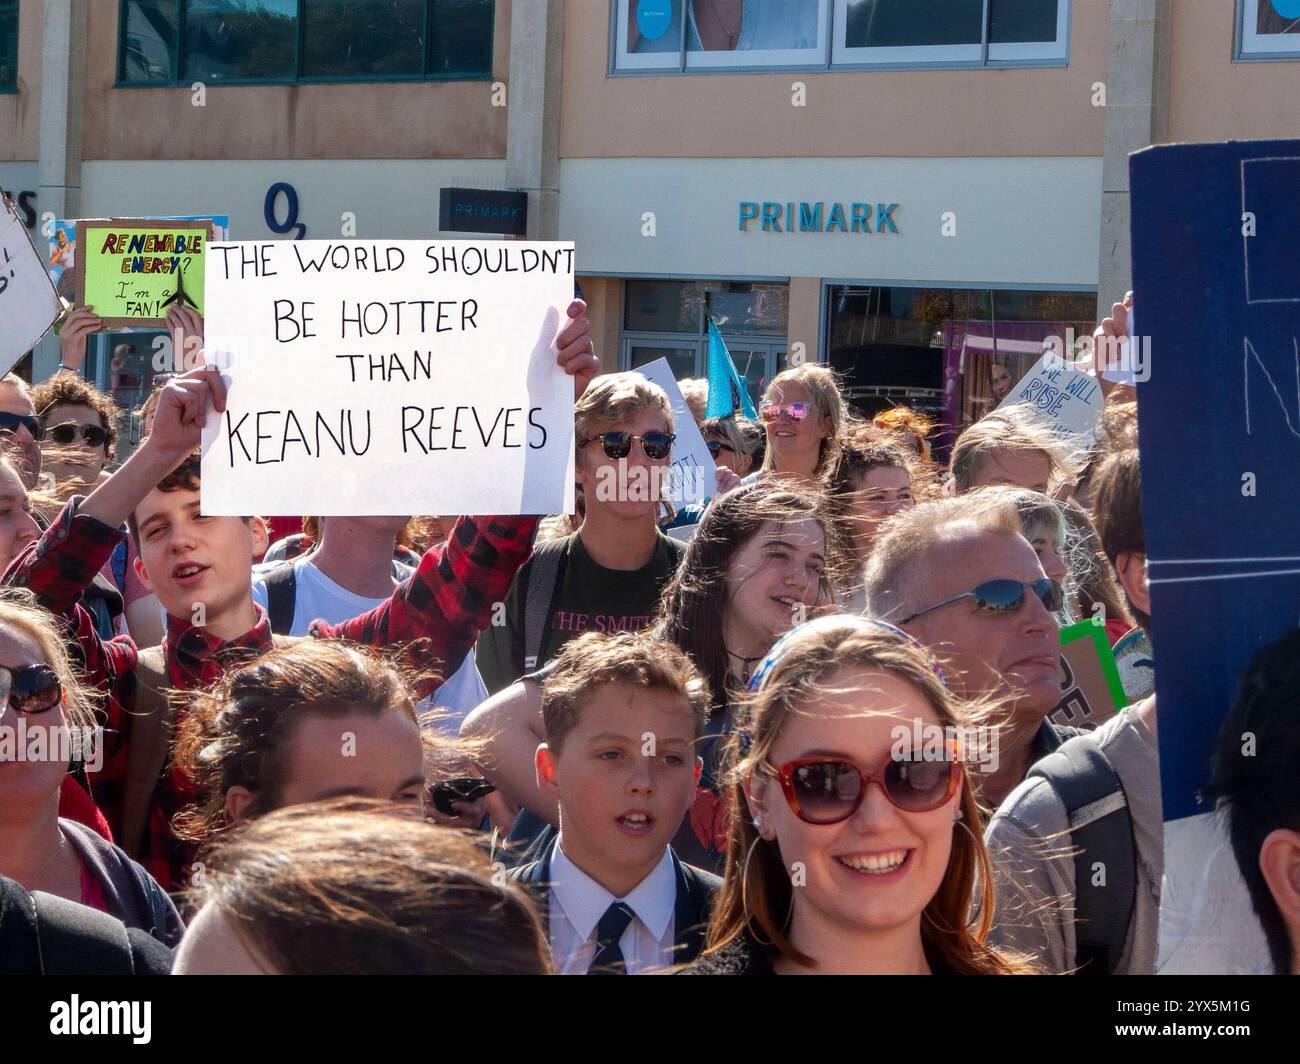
pixel 744 893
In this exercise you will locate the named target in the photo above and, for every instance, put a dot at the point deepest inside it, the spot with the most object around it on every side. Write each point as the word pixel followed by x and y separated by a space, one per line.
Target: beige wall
pixel 805 315
pixel 1045 111
pixel 603 296
pixel 448 120
pixel 1213 98
pixel 20 112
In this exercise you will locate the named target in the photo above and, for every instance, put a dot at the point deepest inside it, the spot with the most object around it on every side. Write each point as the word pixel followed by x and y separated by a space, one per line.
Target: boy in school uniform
pixel 623 715
pixel 200 567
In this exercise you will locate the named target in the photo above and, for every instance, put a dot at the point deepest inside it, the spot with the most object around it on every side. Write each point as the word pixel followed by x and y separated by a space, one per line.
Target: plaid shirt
pixel 434 617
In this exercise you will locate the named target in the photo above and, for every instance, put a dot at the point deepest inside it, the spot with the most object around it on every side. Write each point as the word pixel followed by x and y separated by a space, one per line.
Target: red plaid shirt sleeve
pixel 438 612
pixel 58 568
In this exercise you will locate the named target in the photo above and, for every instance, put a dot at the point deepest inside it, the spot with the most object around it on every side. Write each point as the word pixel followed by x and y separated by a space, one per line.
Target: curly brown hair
pixel 239 732
pixel 67 389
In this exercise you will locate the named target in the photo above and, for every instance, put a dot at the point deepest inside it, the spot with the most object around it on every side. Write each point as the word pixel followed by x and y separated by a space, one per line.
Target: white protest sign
pixel 28 303
pixel 398 377
pixel 1065 399
pixel 692 477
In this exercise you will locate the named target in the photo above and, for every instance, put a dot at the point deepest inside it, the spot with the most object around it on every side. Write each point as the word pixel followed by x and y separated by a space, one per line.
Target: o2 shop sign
pixel 271 211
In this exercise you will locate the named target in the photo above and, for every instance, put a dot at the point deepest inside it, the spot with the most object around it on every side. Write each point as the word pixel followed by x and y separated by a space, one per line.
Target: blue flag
pixel 727 392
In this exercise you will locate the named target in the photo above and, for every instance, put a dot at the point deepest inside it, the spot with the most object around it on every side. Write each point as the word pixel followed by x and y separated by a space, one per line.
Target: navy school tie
pixel 609 957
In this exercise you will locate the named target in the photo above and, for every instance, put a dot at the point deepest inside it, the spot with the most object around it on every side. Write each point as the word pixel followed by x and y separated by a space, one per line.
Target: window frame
pixel 834 14
pixel 297 78
pixel 1249 47
pixel 16 7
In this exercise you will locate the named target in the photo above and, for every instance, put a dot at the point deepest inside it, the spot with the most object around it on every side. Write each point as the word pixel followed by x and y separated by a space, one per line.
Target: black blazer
pixel 696 890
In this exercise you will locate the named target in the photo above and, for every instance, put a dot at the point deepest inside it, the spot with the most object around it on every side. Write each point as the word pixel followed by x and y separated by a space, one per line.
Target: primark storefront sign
pixel 820 217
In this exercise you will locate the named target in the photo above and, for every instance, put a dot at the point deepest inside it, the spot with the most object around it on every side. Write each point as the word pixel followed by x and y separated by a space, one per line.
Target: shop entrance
pixel 667 319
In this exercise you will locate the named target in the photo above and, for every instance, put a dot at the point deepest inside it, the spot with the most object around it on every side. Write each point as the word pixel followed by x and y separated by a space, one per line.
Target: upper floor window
pixel 166 42
pixel 671 36
pixel 8 45
pixel 1268 29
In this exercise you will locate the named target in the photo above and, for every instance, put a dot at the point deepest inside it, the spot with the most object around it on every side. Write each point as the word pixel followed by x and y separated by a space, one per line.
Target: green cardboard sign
pixel 133 270
pixel 1091 691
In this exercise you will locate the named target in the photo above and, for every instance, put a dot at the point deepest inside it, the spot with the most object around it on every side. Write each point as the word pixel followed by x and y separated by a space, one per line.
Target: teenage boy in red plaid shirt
pixel 200 569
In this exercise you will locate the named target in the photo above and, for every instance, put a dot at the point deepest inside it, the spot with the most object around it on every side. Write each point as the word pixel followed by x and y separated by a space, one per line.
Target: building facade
pixel 917 192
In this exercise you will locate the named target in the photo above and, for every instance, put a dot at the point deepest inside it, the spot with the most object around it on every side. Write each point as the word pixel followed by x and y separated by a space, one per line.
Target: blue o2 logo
pixel 1284 8
pixel 653 17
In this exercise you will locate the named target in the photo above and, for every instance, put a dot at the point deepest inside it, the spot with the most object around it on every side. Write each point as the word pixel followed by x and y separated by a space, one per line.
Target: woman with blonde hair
pixel 804 415
pixel 47 724
pixel 850 779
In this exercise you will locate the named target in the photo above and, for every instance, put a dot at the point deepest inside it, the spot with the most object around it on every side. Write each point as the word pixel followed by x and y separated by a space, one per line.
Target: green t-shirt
pixel 591 598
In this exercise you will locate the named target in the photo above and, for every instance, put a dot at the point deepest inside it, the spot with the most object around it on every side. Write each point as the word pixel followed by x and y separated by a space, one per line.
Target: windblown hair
pixel 12 380
pixel 596 660
pixel 1008 429
pixel 239 733
pixel 355 887
pixel 694 602
pixel 828 403
pixel 68 389
pixel 911 425
pixel 737 432
pixel 612 399
pixel 756 895
pixel 901 554
pixel 695 390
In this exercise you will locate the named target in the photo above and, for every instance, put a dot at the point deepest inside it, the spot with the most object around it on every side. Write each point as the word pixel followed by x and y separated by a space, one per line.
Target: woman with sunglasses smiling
pixel 852 851
pixel 763 558
pixel 804 415
pixel 46 713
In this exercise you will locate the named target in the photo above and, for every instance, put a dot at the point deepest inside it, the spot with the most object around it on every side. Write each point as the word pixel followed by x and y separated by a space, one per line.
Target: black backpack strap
pixel 1101 833
pixel 546 573
pixel 75 939
pixel 281 596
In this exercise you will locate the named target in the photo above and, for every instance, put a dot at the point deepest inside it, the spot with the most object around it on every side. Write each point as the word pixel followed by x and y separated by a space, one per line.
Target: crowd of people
pixel 806 727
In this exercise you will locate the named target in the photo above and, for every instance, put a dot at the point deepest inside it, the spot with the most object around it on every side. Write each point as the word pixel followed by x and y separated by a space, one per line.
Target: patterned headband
pixel 761 674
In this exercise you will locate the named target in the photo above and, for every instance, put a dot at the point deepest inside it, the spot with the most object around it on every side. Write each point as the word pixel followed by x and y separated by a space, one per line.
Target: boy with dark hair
pixel 623 716
pixel 200 569
pixel 1256 781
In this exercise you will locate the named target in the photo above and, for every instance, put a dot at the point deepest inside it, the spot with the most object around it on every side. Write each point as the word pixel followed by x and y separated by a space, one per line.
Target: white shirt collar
pixel 585 901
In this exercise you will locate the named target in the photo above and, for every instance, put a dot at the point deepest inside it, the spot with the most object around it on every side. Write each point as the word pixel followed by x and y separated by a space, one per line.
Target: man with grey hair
pixel 958 575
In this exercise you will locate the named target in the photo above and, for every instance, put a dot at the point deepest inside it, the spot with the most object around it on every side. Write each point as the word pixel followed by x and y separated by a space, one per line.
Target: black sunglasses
pixel 1003 596
pixel 11 422
pixel 716 446
pixel 65 434
pixel 656 445
pixel 460 789
pixel 30 689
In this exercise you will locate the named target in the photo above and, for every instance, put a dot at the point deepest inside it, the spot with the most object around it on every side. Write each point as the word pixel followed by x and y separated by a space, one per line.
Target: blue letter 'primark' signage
pixel 477 210
pixel 790 217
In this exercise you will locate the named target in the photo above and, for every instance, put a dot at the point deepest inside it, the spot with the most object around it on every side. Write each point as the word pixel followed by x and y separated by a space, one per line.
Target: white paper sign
pixel 28 303
pixel 389 377
pixel 1065 399
pixel 692 477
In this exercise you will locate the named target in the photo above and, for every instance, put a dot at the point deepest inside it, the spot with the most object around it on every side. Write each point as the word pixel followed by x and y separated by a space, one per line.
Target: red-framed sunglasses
pixel 828 790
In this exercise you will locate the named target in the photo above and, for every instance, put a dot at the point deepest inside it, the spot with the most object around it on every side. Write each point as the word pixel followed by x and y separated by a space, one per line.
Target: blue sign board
pixel 1216 288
